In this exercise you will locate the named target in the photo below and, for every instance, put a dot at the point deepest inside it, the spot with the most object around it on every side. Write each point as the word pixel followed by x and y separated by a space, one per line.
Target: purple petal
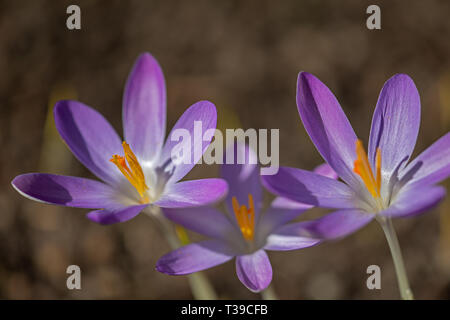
pixel 254 270
pixel 188 137
pixel 242 176
pixel 284 203
pixel 309 188
pixel 327 126
pixel 414 201
pixel 325 170
pixel 283 210
pixel 64 190
pixel 290 237
pixel 90 138
pixel 395 122
pixel 204 220
pixel 431 166
pixel 116 215
pixel 144 108
pixel 334 225
pixel 193 193
pixel 194 257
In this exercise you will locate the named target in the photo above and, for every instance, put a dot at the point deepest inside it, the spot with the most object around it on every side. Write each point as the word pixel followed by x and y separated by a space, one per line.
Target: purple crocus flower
pixel 242 232
pixel 146 175
pixel 381 185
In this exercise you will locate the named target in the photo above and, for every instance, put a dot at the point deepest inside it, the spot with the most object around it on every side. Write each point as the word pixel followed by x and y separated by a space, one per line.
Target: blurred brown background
pixel 244 56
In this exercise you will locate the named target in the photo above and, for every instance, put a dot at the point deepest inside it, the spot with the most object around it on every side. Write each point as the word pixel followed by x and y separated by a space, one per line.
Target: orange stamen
pixel 245 217
pixel 133 173
pixel 363 169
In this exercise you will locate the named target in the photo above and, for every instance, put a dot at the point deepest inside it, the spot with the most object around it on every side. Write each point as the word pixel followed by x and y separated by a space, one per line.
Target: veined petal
pixel 185 146
pixel 395 122
pixel 195 257
pixel 193 193
pixel 115 215
pixel 283 210
pixel 242 176
pixel 290 237
pixel 204 220
pixel 333 225
pixel 254 270
pixel 309 188
pixel 280 212
pixel 90 138
pixel 327 126
pixel 144 108
pixel 64 190
pixel 414 201
pixel 430 167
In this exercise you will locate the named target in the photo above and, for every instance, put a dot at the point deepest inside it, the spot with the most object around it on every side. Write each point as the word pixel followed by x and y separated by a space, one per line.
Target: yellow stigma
pixel 245 217
pixel 363 169
pixel 133 173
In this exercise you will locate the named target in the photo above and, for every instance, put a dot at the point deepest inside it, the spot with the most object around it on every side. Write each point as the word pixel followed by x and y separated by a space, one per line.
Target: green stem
pixel 201 288
pixel 394 246
pixel 269 294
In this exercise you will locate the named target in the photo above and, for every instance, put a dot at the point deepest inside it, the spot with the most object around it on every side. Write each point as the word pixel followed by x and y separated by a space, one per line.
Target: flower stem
pixel 269 294
pixel 201 288
pixel 394 246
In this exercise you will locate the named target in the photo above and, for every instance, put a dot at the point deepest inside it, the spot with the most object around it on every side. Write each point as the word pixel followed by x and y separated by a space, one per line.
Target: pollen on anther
pixel 132 171
pixel 363 169
pixel 245 217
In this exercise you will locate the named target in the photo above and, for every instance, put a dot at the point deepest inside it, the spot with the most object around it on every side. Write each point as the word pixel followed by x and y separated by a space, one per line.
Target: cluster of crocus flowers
pixel 244 231
pixel 140 173
pixel 380 184
pixel 137 173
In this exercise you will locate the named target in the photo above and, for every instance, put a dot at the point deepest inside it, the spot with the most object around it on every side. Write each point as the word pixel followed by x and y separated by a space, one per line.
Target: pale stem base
pixel 394 246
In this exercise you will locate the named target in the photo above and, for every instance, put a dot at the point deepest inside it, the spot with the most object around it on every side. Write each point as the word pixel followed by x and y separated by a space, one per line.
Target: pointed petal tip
pixel 203 106
pixel 208 105
pixel 16 182
pixel 302 80
pixel 306 78
pixel 303 75
pixel 65 105
pixel 20 184
pixel 60 105
pixel 145 66
pixel 146 58
pixel 163 269
pixel 401 76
